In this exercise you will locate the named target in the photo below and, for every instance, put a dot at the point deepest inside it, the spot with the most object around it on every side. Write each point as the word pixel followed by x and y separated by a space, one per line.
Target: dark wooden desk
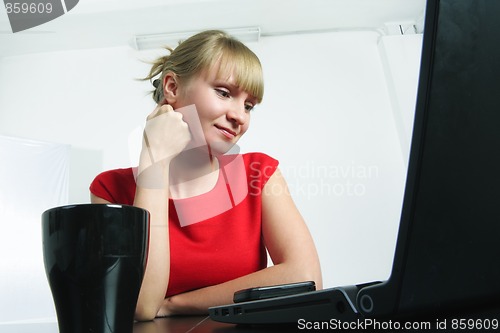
pixel 161 325
pixel 205 325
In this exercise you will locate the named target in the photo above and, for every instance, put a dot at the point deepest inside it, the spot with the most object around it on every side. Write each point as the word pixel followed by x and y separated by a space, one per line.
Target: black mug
pixel 95 257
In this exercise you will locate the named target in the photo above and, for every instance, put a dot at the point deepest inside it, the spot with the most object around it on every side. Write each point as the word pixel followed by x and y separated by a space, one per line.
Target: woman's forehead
pixel 246 76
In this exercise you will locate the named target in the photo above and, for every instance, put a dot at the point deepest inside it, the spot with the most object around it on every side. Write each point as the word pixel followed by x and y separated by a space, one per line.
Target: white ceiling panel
pixel 108 23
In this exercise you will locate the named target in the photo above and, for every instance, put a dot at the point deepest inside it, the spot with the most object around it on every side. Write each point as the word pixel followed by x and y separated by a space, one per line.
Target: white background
pixel 337 114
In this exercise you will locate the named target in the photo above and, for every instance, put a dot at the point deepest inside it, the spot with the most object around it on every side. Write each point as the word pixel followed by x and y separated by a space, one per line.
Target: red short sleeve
pixel 116 186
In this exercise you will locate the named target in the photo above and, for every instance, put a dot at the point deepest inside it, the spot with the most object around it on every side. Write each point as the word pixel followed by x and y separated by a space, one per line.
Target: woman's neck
pixel 193 172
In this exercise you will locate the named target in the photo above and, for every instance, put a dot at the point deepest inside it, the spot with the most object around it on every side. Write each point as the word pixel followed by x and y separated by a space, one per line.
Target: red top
pixel 214 237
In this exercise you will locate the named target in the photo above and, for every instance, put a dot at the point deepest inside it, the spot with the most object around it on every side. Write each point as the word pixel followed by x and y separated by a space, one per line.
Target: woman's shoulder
pixel 259 167
pixel 262 158
pixel 114 185
pixel 116 174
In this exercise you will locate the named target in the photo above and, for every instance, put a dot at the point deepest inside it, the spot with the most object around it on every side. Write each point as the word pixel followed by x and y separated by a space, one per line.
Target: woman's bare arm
pixel 290 246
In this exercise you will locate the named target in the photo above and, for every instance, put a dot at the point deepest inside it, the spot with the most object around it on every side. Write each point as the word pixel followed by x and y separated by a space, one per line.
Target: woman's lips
pixel 226 132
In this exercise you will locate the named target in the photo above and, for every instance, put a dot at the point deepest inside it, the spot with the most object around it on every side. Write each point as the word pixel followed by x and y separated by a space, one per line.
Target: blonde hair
pixel 200 53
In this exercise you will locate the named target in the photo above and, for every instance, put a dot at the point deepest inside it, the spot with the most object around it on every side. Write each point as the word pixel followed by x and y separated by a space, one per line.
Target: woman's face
pixel 223 109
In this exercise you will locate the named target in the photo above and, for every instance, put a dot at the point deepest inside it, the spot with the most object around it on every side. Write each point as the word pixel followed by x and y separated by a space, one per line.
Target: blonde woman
pixel 213 213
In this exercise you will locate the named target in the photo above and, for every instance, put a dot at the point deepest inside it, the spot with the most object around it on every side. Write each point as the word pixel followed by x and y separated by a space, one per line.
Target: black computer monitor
pixel 450 224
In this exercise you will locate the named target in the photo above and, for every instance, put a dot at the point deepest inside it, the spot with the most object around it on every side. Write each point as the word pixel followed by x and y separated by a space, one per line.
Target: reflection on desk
pixel 203 324
pixel 200 325
pixel 184 324
pixel 171 324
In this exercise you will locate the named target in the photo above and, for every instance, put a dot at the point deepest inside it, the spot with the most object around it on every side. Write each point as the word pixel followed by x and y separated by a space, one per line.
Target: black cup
pixel 95 256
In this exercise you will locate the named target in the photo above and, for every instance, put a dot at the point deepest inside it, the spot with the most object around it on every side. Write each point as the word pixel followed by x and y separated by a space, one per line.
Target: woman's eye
pixel 222 92
pixel 249 107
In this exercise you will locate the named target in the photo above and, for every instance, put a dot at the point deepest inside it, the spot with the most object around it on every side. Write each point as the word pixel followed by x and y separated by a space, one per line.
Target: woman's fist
pixel 166 134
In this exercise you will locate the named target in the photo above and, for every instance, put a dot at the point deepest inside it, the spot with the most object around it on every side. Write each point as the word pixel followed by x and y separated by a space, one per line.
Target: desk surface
pixel 161 325
pixel 204 324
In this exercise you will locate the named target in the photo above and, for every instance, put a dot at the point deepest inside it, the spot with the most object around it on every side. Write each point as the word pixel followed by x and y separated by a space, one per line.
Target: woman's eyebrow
pixel 228 84
pixel 231 85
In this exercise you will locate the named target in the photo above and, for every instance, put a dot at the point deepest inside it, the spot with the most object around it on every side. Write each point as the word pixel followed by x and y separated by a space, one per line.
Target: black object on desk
pixel 95 258
pixel 446 259
pixel 253 294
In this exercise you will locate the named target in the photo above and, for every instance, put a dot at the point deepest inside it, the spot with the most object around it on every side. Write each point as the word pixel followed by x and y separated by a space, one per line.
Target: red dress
pixel 214 237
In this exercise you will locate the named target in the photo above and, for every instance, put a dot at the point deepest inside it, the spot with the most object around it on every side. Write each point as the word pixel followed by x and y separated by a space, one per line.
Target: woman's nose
pixel 237 114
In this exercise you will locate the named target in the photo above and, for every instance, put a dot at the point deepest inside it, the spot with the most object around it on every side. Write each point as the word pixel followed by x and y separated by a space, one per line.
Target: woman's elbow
pixel 314 275
pixel 312 272
pixel 305 271
pixel 145 313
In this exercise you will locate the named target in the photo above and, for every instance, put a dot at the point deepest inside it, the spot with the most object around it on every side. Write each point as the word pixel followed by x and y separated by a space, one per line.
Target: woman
pixel 213 215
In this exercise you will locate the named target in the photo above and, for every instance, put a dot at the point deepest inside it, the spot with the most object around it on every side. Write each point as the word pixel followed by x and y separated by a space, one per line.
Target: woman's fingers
pixel 159 110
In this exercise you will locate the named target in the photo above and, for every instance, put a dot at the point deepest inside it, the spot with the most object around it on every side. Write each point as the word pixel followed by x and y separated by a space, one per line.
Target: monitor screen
pixel 452 200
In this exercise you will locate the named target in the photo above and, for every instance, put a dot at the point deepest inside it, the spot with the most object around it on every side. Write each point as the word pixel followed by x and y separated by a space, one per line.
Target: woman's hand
pixel 165 135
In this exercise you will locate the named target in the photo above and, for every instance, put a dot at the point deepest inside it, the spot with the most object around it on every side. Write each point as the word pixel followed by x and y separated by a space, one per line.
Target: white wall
pixel 327 116
pixel 34 177
pixel 401 57
pixel 88 99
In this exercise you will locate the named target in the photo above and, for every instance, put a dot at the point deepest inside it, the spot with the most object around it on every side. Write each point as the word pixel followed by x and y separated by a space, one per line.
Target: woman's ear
pixel 170 88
